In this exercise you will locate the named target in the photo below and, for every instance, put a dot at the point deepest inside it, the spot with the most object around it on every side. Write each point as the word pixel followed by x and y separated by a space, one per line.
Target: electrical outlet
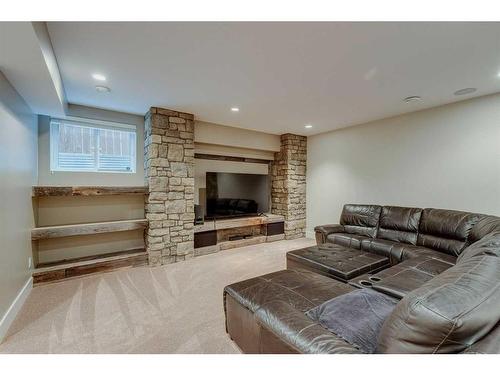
pixel 30 263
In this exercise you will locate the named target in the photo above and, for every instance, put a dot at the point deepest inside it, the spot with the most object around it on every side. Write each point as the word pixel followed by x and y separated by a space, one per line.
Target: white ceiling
pixel 280 75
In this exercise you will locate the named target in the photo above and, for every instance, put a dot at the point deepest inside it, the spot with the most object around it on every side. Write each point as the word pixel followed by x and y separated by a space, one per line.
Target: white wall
pixel 446 157
pixel 206 132
pixel 18 171
pixel 48 178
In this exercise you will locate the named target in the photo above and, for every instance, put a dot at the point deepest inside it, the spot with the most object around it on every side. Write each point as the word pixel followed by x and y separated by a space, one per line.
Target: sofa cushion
pixel 360 219
pixel 445 230
pixel 386 248
pixel 300 288
pixel 411 274
pixel 399 280
pixel 284 322
pixel 346 239
pixel 321 231
pixel 410 252
pixel 399 224
pixel 357 317
pixel 453 310
pixel 398 252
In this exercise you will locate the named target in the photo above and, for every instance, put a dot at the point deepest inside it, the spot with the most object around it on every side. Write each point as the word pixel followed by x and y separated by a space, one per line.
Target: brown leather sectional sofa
pixel 443 266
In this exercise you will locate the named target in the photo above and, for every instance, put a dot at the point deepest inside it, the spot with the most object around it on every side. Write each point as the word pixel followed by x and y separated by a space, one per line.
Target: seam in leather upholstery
pixel 455 320
pixel 444 339
pixel 306 327
pixel 450 283
pixel 408 222
pixel 493 291
pixel 435 312
pixel 293 291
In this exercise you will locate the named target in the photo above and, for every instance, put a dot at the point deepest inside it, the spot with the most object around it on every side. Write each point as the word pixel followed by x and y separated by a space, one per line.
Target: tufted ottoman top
pixel 336 261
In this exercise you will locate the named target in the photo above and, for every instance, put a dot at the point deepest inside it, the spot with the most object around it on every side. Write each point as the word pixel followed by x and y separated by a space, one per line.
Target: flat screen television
pixel 236 194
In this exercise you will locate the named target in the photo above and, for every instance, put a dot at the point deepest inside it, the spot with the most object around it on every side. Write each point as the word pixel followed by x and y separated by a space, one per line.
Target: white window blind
pixel 87 147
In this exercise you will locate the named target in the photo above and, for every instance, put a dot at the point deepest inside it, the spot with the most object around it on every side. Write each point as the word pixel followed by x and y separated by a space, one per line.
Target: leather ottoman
pixel 336 261
pixel 266 314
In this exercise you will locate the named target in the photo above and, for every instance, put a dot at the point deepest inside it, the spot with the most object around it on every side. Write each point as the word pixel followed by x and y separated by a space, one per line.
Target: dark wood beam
pixel 231 158
pixel 87 191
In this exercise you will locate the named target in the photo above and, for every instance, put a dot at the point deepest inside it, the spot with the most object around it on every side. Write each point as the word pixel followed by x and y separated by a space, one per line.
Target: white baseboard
pixel 14 308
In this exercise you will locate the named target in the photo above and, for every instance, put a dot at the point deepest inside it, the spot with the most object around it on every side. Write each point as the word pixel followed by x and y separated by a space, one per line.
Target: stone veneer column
pixel 169 173
pixel 288 192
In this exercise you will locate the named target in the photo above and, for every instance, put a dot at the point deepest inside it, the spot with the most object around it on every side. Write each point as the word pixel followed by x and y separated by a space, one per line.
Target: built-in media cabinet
pixel 52 204
pixel 223 234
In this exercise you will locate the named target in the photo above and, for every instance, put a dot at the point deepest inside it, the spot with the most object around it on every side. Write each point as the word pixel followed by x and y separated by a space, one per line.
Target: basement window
pixel 79 146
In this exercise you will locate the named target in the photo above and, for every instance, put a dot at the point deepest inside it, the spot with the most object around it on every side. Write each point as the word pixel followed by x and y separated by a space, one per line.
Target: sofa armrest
pixel 489 344
pixel 322 231
pixel 295 329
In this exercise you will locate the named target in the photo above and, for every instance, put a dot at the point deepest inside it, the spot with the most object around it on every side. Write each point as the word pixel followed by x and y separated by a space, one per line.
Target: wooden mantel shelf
pixel 238 222
pixel 86 191
pixel 86 229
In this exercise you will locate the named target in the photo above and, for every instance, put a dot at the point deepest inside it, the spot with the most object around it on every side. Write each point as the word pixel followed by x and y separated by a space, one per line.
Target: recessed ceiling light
pixel 411 99
pixel 308 126
pixel 102 89
pixel 467 90
pixel 235 109
pixel 98 77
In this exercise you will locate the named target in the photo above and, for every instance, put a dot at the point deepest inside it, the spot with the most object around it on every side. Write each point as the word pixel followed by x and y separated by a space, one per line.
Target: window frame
pixel 94 126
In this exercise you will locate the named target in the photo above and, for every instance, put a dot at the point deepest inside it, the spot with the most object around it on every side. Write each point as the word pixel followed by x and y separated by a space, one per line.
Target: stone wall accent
pixel 288 191
pixel 169 174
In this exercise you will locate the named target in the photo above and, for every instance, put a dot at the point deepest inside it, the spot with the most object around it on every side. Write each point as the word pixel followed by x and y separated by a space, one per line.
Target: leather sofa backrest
pixel 488 245
pixel 445 230
pixel 360 219
pixel 453 310
pixel 483 227
pixel 399 224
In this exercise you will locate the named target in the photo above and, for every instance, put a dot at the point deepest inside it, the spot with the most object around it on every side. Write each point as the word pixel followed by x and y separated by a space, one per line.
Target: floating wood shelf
pixel 59 270
pixel 86 229
pixel 87 191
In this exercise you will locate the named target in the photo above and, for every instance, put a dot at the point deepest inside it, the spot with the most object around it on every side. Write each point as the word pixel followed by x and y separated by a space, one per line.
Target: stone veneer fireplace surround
pixel 169 174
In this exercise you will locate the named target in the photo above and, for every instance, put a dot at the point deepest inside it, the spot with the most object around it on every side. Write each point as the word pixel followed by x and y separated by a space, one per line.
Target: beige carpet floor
pixel 170 309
